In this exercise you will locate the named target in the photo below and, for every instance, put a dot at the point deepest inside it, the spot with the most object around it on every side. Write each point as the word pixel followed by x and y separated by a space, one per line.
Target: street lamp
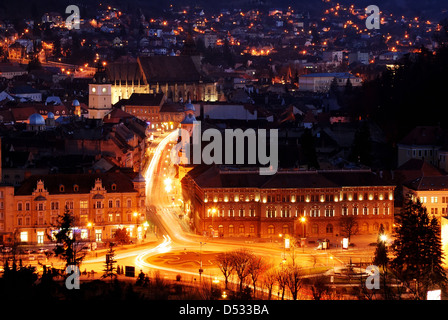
pixel 89 226
pixel 136 224
pixel 303 221
pixel 211 211
pixel 200 255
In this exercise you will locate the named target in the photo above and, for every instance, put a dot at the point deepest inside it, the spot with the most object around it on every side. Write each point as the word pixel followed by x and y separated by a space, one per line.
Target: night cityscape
pixel 241 152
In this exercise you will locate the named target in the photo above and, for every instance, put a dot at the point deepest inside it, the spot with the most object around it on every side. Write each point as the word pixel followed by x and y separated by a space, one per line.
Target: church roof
pixel 169 69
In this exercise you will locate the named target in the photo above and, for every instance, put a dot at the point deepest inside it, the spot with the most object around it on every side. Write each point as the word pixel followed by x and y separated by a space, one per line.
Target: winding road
pixel 175 239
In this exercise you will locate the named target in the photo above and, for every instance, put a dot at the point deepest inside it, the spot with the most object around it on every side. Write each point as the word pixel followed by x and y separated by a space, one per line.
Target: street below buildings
pixel 174 250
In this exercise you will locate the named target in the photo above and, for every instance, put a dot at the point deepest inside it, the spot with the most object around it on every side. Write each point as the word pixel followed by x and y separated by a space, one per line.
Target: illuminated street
pixel 175 243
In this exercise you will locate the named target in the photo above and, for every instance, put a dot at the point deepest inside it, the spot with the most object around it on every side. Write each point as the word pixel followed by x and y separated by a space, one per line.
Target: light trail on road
pixel 149 174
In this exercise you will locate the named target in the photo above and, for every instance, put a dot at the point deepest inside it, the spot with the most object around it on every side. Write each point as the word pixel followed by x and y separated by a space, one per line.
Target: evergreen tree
pixel 361 149
pixel 381 259
pixel 417 249
pixel 436 276
pixel 308 144
pixel 109 268
pixel 68 246
pixel 348 87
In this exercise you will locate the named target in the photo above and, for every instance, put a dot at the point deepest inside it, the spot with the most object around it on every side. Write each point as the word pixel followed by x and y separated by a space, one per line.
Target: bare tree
pixel 269 279
pixel 241 261
pixel 348 226
pixel 282 281
pixel 226 265
pixel 294 280
pixel 257 267
pixel 318 287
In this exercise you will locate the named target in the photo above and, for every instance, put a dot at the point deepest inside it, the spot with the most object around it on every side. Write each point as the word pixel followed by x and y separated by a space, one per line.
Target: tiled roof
pixel 428 183
pixel 85 182
pixel 169 69
pixel 144 99
pixel 213 177
pixel 121 71
pixel 425 135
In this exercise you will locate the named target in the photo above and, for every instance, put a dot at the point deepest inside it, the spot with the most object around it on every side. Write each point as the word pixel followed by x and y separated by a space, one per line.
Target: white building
pixel 321 82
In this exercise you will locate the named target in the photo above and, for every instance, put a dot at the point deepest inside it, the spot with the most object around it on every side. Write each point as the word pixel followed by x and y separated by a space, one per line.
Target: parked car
pixel 6 249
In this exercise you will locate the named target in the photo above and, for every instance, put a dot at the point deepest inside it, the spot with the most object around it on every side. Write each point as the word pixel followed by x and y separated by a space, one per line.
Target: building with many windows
pixel 432 192
pixel 101 203
pixel 242 203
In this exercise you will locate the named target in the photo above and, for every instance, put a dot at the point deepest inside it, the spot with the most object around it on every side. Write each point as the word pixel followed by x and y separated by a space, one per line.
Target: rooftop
pixel 215 177
pixel 85 183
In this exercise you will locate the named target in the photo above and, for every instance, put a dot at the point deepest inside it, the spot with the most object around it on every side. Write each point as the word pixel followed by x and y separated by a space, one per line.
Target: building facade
pixel 321 82
pixel 432 192
pixel 154 109
pixel 100 202
pixel 178 77
pixel 228 203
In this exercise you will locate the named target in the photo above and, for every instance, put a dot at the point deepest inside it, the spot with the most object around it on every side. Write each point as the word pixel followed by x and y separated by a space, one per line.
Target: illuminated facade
pixel 432 192
pixel 101 203
pixel 178 77
pixel 154 109
pixel 298 203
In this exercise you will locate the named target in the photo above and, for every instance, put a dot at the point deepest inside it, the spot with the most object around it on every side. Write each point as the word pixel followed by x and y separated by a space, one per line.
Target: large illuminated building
pixel 240 203
pixel 100 202
pixel 179 78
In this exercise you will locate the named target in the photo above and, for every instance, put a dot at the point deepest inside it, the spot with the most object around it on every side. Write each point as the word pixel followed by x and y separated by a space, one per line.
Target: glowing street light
pixel 168 186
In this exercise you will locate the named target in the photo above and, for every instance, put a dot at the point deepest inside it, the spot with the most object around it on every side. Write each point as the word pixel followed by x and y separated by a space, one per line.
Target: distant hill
pixel 13 9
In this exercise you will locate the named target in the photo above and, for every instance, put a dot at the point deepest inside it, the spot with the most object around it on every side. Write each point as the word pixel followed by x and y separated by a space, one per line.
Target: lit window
pixel 24 236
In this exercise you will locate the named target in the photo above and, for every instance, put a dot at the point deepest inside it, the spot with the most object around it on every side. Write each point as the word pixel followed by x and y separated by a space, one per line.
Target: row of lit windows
pixel 40 236
pixel 26 220
pixel 433 199
pixel 272 212
pixel 301 198
pixel 242 229
pixel 285 229
pixel 83 204
pixel 141 111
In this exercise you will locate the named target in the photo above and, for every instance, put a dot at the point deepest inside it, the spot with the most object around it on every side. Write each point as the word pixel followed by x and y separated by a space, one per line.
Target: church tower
pixel 100 95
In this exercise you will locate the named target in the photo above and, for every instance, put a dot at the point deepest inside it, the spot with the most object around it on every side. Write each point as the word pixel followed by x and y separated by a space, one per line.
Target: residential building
pixel 155 109
pixel 10 71
pixel 425 143
pixel 26 93
pixel 321 82
pixel 100 202
pixel 432 192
